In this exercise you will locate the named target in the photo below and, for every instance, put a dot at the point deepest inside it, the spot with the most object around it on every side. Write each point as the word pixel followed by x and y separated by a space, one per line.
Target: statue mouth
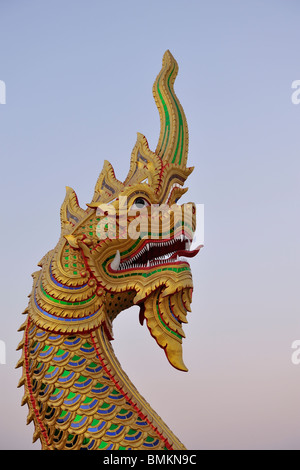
pixel 156 253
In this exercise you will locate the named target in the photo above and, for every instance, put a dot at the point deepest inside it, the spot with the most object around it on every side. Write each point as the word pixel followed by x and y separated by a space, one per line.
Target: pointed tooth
pixel 116 261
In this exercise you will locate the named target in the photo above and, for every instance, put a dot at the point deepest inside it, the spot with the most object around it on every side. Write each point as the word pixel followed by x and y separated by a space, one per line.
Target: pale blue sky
pixel 79 78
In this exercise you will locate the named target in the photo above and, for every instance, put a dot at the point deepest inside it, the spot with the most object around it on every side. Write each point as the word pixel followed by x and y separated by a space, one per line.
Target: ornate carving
pixel 77 393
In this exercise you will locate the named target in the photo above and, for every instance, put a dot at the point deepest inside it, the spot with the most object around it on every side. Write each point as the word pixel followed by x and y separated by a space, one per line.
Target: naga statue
pixel 78 395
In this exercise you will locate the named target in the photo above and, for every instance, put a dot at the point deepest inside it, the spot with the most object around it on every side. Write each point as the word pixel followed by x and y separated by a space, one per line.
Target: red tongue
pixel 187 253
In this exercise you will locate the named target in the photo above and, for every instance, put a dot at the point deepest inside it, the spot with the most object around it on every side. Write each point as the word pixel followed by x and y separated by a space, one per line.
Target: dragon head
pixel 131 243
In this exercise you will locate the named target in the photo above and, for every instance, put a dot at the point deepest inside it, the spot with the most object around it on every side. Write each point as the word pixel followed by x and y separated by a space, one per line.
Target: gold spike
pixel 23 326
pixel 145 168
pixel 24 399
pixel 30 417
pixel 106 179
pixel 189 293
pixel 20 345
pixel 21 382
pixel 20 362
pixel 35 275
pixel 186 299
pixel 42 261
pixel 36 435
pixel 70 211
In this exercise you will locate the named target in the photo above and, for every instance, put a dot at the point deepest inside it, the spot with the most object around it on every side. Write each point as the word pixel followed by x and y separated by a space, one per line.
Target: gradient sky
pixel 79 78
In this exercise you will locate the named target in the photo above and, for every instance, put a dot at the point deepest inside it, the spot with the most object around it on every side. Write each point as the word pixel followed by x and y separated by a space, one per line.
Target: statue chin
pixel 164 316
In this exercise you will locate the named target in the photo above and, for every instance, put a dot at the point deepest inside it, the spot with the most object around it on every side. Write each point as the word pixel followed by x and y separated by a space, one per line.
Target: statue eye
pixel 140 203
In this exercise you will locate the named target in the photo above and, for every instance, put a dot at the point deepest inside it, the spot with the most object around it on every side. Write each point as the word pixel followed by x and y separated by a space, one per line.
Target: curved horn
pixel 172 146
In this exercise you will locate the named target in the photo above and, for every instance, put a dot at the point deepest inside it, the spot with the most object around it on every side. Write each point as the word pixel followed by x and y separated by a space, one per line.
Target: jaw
pixel 158 274
pixel 147 265
pixel 164 316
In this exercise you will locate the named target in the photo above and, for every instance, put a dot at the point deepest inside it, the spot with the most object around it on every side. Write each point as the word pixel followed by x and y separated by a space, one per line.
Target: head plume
pixel 165 168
